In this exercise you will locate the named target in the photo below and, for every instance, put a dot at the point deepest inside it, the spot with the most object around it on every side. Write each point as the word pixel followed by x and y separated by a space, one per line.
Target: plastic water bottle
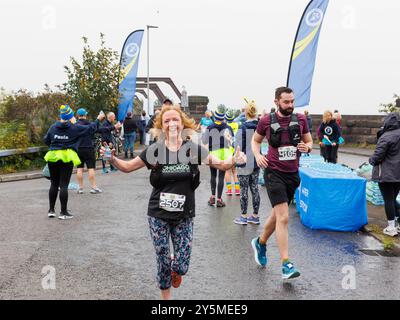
pixel 107 153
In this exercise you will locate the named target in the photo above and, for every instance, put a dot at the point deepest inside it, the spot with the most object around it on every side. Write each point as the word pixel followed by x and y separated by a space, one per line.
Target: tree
pixel 34 113
pixel 137 106
pixel 391 106
pixel 93 85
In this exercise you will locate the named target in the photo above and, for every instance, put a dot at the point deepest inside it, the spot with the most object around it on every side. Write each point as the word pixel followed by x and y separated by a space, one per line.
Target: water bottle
pixel 107 153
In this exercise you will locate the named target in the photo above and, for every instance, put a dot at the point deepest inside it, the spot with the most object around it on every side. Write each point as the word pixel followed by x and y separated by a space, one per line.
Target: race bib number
pixel 172 202
pixel 287 153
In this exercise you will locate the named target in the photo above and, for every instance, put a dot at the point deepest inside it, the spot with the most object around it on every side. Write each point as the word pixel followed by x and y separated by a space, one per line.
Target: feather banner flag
pixel 128 72
pixel 302 60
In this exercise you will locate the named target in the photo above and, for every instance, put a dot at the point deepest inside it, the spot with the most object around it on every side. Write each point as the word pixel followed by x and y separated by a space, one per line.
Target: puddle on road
pixel 372 247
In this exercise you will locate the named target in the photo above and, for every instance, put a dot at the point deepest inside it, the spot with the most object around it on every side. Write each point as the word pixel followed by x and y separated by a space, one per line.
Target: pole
pixel 148 72
pixel 148 66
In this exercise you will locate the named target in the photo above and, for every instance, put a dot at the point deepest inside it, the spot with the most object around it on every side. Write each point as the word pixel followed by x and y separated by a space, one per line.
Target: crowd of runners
pixel 230 146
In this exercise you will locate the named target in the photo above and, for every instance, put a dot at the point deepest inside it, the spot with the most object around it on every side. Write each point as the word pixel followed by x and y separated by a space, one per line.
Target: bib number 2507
pixel 172 202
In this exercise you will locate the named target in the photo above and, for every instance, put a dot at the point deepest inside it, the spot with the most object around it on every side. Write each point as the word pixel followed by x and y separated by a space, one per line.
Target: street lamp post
pixel 148 66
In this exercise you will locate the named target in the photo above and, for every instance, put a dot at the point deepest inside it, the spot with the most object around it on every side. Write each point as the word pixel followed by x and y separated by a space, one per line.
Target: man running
pixel 288 136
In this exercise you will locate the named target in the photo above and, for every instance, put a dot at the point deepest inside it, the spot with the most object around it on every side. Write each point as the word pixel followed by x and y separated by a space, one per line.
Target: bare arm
pixel 216 163
pixel 124 166
pixel 127 166
pixel 224 165
pixel 256 141
pixel 306 143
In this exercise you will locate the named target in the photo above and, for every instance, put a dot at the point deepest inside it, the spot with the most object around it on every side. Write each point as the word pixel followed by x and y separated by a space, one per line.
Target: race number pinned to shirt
pixel 287 153
pixel 172 202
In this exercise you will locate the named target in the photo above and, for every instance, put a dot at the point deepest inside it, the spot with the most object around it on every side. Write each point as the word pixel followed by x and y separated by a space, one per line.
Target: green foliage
pixel 391 106
pixel 37 113
pixel 137 106
pixel 388 244
pixel 93 84
pixel 13 135
pixel 17 163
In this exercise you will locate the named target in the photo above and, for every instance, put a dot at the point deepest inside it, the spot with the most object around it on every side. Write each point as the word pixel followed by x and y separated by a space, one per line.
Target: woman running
pixel 219 138
pixel 173 161
pixel 248 175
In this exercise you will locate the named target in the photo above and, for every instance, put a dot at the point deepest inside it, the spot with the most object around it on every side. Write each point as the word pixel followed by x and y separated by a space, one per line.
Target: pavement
pixel 106 252
pixel 347 155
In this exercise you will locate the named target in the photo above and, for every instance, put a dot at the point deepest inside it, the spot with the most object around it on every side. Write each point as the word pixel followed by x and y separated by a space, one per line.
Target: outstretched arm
pixel 124 166
pixel 239 157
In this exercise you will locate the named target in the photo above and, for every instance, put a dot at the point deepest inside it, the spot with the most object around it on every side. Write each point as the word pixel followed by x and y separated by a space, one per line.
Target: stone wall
pixel 355 128
pixel 197 106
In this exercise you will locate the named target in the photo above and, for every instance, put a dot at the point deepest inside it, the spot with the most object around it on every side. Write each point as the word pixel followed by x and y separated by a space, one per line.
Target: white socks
pixel 391 224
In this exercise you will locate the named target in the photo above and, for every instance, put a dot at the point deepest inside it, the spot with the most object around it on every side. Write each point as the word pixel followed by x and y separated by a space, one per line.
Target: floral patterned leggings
pixel 182 236
pixel 251 181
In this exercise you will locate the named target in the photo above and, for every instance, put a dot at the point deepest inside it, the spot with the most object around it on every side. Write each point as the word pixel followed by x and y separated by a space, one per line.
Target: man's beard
pixel 285 112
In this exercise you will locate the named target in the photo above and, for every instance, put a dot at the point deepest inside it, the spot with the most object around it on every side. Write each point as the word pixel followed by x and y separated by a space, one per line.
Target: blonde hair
pixel 251 110
pixel 208 113
pixel 325 116
pixel 189 124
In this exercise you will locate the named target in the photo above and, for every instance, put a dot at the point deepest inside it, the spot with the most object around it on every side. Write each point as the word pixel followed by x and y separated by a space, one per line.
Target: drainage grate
pixel 382 253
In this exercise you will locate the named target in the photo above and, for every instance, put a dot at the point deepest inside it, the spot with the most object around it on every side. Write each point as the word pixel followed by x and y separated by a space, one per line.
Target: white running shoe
pixel 390 231
pixel 95 190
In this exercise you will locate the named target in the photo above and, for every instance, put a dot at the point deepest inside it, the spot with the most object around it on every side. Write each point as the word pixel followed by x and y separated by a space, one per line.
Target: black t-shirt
pixel 174 199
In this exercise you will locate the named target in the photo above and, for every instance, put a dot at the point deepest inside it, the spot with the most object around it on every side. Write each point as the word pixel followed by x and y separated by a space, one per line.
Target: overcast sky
pixel 225 50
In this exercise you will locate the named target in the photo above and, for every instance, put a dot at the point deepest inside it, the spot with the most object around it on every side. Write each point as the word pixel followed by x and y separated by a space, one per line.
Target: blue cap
pixel 81 112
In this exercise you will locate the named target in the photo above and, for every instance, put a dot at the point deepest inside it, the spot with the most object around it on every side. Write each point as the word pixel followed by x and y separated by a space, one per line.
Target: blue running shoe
pixel 289 271
pixel 253 220
pixel 105 170
pixel 240 220
pixel 260 252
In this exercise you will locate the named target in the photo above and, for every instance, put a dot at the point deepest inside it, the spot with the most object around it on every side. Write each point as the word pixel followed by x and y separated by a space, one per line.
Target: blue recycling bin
pixel 331 197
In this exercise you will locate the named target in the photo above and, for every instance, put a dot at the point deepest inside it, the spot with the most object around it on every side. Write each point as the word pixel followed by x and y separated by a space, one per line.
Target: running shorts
pixel 87 156
pixel 281 186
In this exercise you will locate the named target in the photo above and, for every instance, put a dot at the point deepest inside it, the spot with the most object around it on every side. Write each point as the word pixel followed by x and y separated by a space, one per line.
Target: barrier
pixel 11 152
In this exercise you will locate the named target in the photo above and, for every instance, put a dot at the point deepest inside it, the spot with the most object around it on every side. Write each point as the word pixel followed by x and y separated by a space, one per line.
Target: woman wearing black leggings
pixel 219 137
pixel 386 162
pixel 60 175
pixel 219 186
pixel 63 140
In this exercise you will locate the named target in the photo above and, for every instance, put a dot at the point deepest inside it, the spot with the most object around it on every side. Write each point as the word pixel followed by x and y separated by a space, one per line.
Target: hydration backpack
pixel 275 139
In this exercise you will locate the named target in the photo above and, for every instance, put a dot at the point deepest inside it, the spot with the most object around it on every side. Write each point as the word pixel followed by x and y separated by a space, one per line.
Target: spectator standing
pixel 386 171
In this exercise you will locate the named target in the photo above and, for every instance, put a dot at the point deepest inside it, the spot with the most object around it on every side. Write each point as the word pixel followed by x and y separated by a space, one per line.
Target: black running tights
pixel 389 191
pixel 60 175
pixel 221 176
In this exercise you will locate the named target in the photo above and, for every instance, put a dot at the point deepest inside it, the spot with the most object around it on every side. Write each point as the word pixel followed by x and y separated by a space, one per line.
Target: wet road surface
pixel 105 252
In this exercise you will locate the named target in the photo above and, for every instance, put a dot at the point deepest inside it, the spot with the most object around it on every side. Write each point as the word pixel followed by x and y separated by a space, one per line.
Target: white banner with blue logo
pixel 128 72
pixel 302 61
